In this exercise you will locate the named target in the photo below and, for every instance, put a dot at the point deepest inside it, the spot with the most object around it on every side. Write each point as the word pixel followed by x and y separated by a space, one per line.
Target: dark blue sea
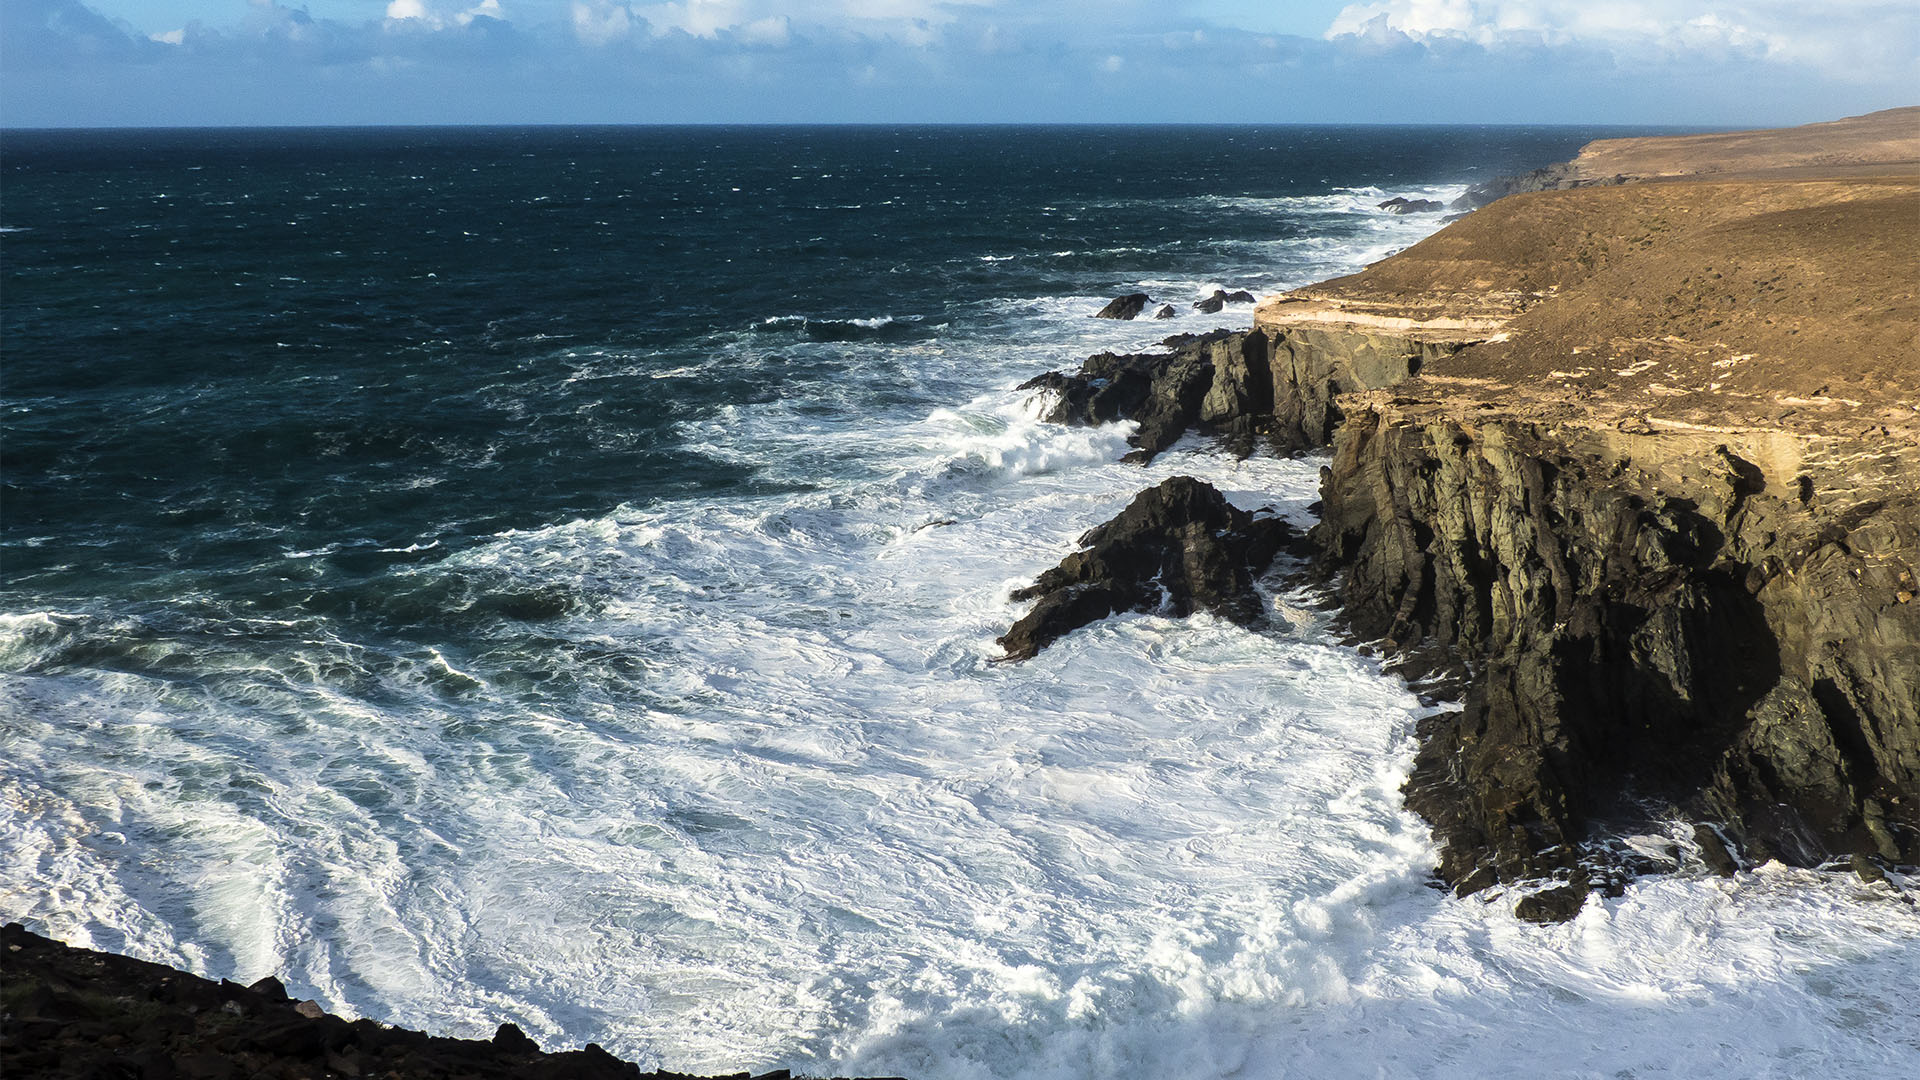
pixel 550 575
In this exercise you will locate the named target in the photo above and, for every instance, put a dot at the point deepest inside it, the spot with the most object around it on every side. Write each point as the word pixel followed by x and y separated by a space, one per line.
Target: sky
pixel 271 62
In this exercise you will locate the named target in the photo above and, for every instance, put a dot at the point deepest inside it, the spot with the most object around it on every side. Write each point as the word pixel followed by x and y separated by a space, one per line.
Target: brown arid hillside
pixel 1891 136
pixel 1757 300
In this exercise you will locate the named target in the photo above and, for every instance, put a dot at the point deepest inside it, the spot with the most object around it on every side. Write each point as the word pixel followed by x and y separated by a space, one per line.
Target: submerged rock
pixel 1124 307
pixel 1176 549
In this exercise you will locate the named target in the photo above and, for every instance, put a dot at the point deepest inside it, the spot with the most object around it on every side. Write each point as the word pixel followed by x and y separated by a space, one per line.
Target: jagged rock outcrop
pixel 1165 311
pixel 1124 307
pixel 1176 549
pixel 1403 205
pixel 1164 392
pixel 1552 178
pixel 1220 298
pixel 1246 385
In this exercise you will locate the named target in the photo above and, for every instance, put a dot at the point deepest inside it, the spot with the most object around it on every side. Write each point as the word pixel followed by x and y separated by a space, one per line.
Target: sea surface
pixel 550 575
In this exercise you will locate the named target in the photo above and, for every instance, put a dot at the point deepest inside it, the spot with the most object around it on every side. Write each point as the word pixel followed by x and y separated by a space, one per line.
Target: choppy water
pixel 550 576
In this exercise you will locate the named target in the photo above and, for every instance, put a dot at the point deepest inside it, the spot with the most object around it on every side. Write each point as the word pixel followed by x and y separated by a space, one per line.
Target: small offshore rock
pixel 1125 307
pixel 1399 205
pixel 1554 905
pixel 1869 871
pixel 1212 303
pixel 1166 311
pixel 1241 296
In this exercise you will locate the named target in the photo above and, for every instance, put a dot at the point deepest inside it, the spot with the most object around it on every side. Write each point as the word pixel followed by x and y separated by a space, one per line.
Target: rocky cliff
pixel 1639 463
pixel 1656 623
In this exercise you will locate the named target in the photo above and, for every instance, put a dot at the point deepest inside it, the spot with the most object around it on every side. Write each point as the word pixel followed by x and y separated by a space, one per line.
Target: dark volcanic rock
pixel 1221 298
pixel 1400 205
pixel 1627 637
pixel 1552 178
pixel 1713 851
pixel 1124 307
pixel 1165 312
pixel 76 1013
pixel 1219 381
pixel 1555 904
pixel 1176 549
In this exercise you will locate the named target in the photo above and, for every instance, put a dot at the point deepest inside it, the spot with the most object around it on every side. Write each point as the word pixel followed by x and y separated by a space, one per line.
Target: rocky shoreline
pixel 1590 460
pixel 78 1013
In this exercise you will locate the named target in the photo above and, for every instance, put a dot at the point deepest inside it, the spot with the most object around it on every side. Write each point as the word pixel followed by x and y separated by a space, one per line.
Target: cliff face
pixel 1655 623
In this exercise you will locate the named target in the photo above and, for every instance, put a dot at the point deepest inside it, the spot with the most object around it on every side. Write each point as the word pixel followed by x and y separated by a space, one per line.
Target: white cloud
pixel 485 8
pixel 701 18
pixel 418 11
pixel 910 22
pixel 1840 37
pixel 603 22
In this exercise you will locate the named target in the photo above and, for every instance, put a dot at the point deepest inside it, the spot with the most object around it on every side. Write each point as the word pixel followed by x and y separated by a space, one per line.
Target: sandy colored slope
pixel 1890 136
pixel 1751 301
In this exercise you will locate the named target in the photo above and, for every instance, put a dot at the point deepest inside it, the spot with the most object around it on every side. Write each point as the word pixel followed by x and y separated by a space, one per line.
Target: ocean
pixel 550 575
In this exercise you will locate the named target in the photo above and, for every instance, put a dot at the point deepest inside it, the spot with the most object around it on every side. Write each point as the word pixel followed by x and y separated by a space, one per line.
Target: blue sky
pixel 1741 62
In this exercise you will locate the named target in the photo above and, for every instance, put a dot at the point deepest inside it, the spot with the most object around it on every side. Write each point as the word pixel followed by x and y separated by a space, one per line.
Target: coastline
pixel 1379 386
pixel 1633 463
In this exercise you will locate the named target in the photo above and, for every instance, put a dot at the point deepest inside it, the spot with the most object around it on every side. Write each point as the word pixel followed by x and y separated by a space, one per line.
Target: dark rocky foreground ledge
pixel 1638 465
pixel 82 1014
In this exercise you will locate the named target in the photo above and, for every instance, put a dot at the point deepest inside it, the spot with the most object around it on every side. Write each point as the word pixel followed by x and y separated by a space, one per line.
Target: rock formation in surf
pixel 1403 205
pixel 1124 307
pixel 1176 549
